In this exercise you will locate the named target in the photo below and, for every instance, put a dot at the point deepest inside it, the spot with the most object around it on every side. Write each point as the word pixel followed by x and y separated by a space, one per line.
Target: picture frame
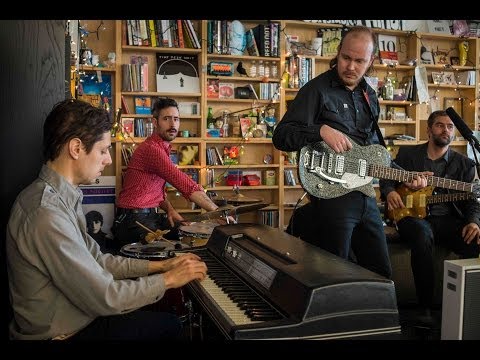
pixel 455 103
pixel 454 60
pixel 440 56
pixel 449 78
pixel 437 77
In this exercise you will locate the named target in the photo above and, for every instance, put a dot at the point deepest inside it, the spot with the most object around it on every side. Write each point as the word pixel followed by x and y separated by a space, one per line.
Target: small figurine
pixel 462 51
pixel 271 122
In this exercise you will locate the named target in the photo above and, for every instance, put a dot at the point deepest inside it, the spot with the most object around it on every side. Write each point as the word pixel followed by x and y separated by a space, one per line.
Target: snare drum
pixel 174 300
pixel 196 234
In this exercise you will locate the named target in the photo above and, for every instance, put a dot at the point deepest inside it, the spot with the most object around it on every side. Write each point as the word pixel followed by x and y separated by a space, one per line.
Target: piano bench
pixel 402 274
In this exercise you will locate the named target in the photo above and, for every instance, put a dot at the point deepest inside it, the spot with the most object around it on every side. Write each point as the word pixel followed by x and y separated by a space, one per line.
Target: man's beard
pixel 438 141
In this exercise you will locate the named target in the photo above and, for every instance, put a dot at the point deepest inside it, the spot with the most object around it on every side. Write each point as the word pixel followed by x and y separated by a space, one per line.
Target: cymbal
pixel 238 199
pixel 228 210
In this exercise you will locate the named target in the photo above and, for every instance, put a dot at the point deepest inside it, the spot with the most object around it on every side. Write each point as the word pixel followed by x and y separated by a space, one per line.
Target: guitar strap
pixel 375 121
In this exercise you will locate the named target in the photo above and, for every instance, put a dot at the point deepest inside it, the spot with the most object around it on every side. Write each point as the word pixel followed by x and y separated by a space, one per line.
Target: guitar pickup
pixel 339 164
pixel 362 168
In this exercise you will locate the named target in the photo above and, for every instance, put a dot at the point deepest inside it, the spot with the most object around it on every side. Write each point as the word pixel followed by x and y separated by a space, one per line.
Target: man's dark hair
pixel 434 115
pixel 73 119
pixel 349 32
pixel 162 103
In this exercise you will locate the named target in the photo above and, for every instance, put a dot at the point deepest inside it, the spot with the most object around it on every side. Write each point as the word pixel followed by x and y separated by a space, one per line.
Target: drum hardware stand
pixel 195 320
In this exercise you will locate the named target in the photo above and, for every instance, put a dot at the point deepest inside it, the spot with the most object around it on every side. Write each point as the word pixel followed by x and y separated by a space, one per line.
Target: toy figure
pixel 462 51
pixel 271 122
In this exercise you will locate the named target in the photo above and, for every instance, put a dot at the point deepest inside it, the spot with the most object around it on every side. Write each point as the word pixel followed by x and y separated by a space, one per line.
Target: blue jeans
pixel 351 221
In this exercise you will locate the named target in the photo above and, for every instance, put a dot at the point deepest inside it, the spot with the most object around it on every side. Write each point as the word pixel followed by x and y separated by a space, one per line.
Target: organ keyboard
pixel 265 284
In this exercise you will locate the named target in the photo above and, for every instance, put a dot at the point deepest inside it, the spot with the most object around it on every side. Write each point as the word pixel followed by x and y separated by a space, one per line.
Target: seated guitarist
pixel 335 104
pixel 454 225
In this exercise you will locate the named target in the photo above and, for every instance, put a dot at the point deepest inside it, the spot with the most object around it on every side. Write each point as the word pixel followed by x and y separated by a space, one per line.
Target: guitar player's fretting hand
pixel 394 200
pixel 419 181
pixel 335 139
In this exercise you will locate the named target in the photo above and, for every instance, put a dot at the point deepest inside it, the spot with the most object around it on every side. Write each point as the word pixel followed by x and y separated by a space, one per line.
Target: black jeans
pixel 127 231
pixel 349 222
pixel 423 235
pixel 137 325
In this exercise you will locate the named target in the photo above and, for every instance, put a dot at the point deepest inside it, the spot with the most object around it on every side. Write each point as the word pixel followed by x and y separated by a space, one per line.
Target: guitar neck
pixel 385 172
pixel 440 198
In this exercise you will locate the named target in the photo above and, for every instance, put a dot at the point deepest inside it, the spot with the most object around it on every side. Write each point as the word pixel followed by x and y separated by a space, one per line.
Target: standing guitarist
pixel 454 225
pixel 337 103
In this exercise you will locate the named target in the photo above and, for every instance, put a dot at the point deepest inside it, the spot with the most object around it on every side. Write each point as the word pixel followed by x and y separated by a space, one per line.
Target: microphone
pixel 459 123
pixel 463 128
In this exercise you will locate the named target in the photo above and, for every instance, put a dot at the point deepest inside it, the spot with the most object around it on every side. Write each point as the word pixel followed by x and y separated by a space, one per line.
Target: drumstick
pixel 153 232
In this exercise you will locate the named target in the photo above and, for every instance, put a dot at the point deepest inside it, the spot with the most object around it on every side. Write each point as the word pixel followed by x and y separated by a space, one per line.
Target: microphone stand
pixel 473 141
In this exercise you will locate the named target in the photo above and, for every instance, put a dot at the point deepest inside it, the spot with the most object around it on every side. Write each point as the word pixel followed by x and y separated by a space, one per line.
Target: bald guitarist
pixel 454 225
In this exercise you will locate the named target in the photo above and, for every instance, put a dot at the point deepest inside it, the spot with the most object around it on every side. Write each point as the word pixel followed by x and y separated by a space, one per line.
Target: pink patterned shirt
pixel 148 170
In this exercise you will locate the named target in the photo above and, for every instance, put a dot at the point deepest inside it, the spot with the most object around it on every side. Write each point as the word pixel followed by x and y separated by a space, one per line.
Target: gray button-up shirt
pixel 59 280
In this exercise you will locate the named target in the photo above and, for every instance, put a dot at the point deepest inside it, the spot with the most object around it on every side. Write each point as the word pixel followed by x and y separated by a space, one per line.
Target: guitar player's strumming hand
pixel 335 139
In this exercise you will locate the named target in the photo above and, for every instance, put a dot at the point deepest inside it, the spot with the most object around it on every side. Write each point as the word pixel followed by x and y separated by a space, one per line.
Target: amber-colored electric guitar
pixel 416 201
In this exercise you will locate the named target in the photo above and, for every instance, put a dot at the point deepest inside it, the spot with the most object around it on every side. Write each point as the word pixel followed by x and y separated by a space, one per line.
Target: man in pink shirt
pixel 149 169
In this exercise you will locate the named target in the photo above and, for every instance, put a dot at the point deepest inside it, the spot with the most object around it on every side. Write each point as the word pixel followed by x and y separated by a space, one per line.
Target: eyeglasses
pixel 443 126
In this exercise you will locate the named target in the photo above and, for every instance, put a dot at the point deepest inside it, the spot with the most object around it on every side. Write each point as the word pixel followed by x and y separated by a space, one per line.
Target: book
pixel 177 73
pixel 331 40
pixel 253 92
pixel 174 156
pixel 143 105
pixel 439 27
pixel 212 88
pixel 188 155
pixel 125 107
pixel 252 48
pixel 128 127
pixel 99 197
pixel 226 90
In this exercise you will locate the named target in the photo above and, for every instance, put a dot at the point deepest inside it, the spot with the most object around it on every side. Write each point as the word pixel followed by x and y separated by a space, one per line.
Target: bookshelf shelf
pixel 243 78
pixel 242 187
pixel 243 166
pixel 239 101
pixel 161 49
pixel 242 57
pixel 96 68
pixel 240 141
pixel 159 94
pixel 396 122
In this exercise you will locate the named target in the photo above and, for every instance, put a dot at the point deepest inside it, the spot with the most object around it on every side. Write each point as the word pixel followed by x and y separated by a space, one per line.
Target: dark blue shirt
pixel 325 100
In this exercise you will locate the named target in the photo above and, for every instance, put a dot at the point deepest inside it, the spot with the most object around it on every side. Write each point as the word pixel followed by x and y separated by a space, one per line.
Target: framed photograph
pixel 455 103
pixel 437 77
pixel 441 57
pixel 454 60
pixel 449 78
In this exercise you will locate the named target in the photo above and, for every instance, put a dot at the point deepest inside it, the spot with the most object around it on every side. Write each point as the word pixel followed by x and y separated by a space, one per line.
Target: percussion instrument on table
pixel 157 250
pixel 196 234
pixel 174 300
